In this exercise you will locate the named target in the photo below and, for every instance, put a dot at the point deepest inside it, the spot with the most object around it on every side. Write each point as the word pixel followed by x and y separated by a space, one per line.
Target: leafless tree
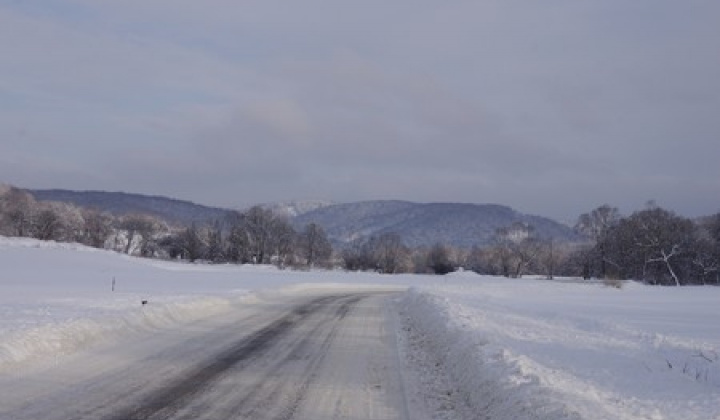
pixel 314 245
pixel 549 257
pixel 261 237
pixel 139 232
pixel 390 253
pixel 283 240
pixel 17 209
pixel 215 251
pixel 238 240
pixel 706 261
pixel 96 229
pixel 258 225
pixel 597 225
pixel 47 225
pixel 439 260
pixel 385 253
pixel 193 243
pixel 580 260
pixel 653 245
pixel 515 248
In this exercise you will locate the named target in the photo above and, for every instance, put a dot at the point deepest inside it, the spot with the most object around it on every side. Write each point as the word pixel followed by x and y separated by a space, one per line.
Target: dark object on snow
pixel 144 302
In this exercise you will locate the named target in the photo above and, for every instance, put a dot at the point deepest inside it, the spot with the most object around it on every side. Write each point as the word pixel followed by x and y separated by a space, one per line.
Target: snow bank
pixel 548 350
pixel 489 378
pixel 90 325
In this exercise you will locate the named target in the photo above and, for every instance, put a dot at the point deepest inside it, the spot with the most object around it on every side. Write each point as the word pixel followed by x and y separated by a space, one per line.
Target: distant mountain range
pixel 120 203
pixel 419 224
pixel 463 225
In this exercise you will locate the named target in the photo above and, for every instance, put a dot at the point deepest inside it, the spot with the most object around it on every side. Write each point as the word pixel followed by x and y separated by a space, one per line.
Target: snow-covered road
pixel 315 357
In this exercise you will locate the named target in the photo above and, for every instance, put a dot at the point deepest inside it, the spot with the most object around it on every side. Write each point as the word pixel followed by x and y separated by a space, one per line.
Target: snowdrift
pixel 527 349
pixel 66 336
pixel 491 380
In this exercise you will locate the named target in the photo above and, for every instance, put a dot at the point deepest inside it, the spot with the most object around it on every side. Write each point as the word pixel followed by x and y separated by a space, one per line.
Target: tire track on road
pixel 166 402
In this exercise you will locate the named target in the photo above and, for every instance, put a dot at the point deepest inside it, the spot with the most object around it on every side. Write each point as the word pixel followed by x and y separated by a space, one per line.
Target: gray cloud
pixel 552 108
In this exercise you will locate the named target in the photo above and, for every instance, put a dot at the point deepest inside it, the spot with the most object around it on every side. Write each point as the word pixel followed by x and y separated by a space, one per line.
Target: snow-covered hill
pixel 120 203
pixel 424 224
pixel 419 224
pixel 293 209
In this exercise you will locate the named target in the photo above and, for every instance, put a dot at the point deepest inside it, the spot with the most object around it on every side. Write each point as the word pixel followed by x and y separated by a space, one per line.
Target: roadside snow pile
pixel 89 323
pixel 56 298
pixel 535 349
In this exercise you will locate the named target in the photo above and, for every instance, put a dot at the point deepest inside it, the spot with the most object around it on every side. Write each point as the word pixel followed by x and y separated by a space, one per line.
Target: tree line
pixel 653 245
pixel 255 236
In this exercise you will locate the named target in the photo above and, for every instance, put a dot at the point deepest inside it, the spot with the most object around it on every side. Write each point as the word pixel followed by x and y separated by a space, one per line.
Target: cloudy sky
pixel 552 107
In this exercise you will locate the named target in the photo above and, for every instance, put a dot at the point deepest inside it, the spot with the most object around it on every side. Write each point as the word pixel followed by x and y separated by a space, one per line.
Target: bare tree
pixel 238 240
pixel 73 221
pixel 258 225
pixel 192 244
pixel 215 251
pixel 47 225
pixel 579 261
pixel 653 245
pixel 706 261
pixel 515 248
pixel 390 253
pixel 596 225
pixel 139 233
pixel 358 255
pixel 480 260
pixel 314 245
pixel 283 240
pixel 549 257
pixel 439 261
pixel 707 255
pixel 96 229
pixel 526 253
pixel 17 208
pixel 261 237
pixel 385 253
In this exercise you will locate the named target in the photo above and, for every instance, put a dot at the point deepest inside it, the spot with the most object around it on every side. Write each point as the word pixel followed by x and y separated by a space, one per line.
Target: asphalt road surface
pixel 312 357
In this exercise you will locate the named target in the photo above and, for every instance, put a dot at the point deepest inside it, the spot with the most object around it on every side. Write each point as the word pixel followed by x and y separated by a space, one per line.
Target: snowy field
pixel 475 347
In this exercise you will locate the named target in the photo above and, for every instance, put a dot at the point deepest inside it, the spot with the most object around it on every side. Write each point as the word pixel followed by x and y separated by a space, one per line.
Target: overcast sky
pixel 552 107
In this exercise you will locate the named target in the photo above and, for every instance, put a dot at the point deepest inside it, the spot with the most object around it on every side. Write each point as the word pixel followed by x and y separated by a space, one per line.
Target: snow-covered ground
pixel 57 298
pixel 501 349
pixel 551 350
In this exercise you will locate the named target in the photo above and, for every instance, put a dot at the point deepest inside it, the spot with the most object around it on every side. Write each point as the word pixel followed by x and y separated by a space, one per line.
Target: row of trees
pixel 22 216
pixel 255 236
pixel 653 245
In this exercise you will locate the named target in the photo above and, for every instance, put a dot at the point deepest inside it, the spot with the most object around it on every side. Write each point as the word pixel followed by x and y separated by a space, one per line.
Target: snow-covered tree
pixel 17 209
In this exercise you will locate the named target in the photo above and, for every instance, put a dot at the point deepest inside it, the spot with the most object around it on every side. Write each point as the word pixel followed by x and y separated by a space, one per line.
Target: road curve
pixel 325 357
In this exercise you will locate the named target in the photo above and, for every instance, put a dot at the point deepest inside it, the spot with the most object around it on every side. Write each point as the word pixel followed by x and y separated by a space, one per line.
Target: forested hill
pixel 463 225
pixel 120 203
pixel 457 224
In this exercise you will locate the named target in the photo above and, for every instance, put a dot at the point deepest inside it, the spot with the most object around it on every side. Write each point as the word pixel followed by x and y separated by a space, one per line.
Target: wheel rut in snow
pixel 172 400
